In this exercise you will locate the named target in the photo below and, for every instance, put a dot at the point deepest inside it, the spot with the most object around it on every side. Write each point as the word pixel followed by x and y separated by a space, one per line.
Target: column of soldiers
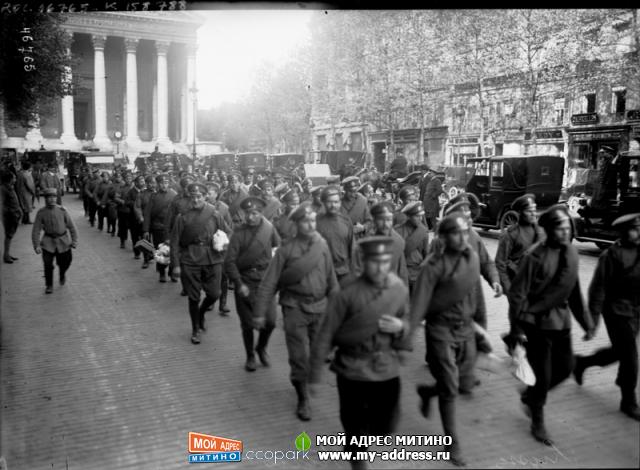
pixel 354 287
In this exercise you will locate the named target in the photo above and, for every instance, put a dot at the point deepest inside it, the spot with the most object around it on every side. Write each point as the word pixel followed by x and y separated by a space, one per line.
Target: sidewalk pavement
pixel 101 374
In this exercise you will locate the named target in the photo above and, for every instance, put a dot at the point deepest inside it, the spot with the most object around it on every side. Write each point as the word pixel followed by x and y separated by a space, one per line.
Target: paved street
pixel 101 374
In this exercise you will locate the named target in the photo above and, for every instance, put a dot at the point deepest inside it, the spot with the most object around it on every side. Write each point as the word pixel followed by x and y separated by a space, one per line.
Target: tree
pixel 38 40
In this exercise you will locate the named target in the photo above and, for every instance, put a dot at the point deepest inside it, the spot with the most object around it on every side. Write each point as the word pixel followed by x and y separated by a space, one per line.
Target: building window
pixel 590 103
pixel 619 100
pixel 322 142
pixel 339 144
pixel 559 111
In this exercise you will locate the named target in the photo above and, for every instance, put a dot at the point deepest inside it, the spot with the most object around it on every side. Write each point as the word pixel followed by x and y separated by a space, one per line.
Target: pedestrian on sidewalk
pixel 247 259
pixel 615 293
pixel 445 297
pixel 366 321
pixel 60 236
pixel 302 271
pixel 26 191
pixel 11 213
pixel 194 256
pixel 544 294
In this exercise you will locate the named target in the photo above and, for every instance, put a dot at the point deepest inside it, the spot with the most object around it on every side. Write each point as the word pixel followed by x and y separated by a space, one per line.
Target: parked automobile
pixel 220 161
pixel 456 179
pixel 498 181
pixel 343 162
pixel 255 160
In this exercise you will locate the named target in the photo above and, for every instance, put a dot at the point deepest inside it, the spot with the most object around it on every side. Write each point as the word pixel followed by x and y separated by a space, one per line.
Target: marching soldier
pixel 431 201
pixel 283 224
pixel 192 249
pixel 98 196
pixel 445 296
pixel 416 239
pixel 49 179
pixel 615 293
pixel 89 189
pixel 139 209
pixel 124 209
pixel 366 321
pixel 233 196
pixel 305 195
pixel 383 225
pixel 545 287
pixel 249 254
pixel 60 235
pixel 355 206
pixel 135 224
pixel 316 199
pixel 155 224
pixel 406 195
pixel 338 231
pixel 179 205
pixel 515 241
pixel 302 271
pixel 273 204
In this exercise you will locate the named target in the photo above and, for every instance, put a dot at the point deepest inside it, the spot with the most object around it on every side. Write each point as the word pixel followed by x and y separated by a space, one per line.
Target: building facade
pixel 132 88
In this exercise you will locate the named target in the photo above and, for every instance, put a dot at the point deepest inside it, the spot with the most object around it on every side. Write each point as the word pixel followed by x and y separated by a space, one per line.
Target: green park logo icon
pixel 303 442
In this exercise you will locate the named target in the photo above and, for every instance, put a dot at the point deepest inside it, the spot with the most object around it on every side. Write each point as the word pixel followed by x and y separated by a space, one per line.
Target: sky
pixel 232 43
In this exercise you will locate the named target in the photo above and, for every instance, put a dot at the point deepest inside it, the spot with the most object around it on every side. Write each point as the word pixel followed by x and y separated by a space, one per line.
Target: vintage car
pixel 456 179
pixel 498 181
pixel 592 220
pixel 343 162
pixel 255 160
pixel 102 161
pixel 220 161
pixel 287 161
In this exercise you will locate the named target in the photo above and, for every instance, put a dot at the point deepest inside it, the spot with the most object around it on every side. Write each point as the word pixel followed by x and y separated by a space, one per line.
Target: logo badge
pixel 205 448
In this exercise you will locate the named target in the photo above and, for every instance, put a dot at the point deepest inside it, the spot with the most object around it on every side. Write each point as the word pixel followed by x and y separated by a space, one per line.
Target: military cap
pixel 197 187
pixel 281 188
pixel 363 186
pixel 457 207
pixel 212 184
pixel 288 196
pixel 381 208
pixel 316 189
pixel 376 245
pixel 524 202
pixel 333 179
pixel 348 181
pixel 95 170
pixel 233 173
pixel 262 184
pixel 627 221
pixel 50 192
pixel 329 191
pixel 148 178
pixel 406 191
pixel 606 148
pixel 413 208
pixel 450 223
pixel 553 216
pixel 251 203
pixel 301 211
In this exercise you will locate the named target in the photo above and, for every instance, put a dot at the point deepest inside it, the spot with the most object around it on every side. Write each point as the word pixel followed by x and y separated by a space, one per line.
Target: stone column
pixel 132 138
pixel 68 137
pixel 163 96
pixel 191 85
pixel 100 139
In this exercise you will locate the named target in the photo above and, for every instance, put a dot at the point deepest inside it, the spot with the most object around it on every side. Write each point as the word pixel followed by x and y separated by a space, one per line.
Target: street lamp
pixel 194 96
pixel 117 134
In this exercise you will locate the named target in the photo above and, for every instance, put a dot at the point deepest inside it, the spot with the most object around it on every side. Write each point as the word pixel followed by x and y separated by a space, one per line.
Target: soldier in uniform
pixel 98 196
pixel 305 195
pixel 192 249
pixel 11 213
pixel 249 254
pixel 545 287
pixel 416 239
pixel 49 179
pixel 316 199
pixel 445 296
pixel 110 201
pixel 338 231
pixel 89 189
pixel 302 271
pixel 515 241
pixel 124 209
pixel 179 205
pixel 135 225
pixel 212 198
pixel 366 322
pixel 383 225
pixel 431 201
pixel 615 293
pixel 355 206
pixel 282 223
pixel 155 224
pixel 233 196
pixel 273 204
pixel 60 235
pixel 139 209
pixel 406 195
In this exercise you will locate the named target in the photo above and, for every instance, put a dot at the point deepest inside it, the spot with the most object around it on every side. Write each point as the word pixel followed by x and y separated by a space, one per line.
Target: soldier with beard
pixel 233 196
pixel 273 206
pixel 355 206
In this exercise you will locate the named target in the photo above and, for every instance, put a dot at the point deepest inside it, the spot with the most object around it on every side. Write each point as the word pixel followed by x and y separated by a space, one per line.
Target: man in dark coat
pixel 416 240
pixel 156 223
pixel 233 196
pixel 246 261
pixel 283 224
pixel 355 206
pixel 615 293
pixel 431 201
pixel 26 191
pixel 11 213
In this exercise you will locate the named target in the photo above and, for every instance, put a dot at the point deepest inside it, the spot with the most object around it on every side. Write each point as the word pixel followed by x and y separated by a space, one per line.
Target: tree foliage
pixel 24 93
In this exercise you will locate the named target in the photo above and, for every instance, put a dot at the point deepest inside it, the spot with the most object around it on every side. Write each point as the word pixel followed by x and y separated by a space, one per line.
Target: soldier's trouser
pixel 63 260
pixel 123 225
pixel 136 233
pixel 368 408
pixel 244 307
pixel 112 218
pixel 224 289
pixel 623 333
pixel 93 208
pixel 551 357
pixel 102 214
pixel 196 278
pixel 300 329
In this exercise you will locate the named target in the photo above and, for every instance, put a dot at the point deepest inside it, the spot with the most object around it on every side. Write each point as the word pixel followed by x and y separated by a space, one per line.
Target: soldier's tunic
pixel 246 261
pixel 134 225
pixel 367 361
pixel 358 211
pixel 48 179
pixel 224 212
pixel 286 228
pixel 302 271
pixel 156 220
pixel 337 230
pixel 614 292
pixel 545 287
pixel 416 248
pixel 111 198
pixel 431 202
pixel 233 200
pixel 98 196
pixel 513 244
pixel 59 233
pixel 272 209
pixel 89 190
pixel 179 205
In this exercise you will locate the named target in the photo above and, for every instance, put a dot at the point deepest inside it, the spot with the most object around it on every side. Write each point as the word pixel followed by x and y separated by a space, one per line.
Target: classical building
pixel 132 83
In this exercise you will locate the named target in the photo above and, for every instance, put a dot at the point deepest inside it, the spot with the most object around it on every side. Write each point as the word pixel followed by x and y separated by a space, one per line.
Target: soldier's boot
pixel 629 404
pixel 202 310
pixel 247 340
pixel 578 369
pixel 538 429
pixel 303 410
pixel 195 318
pixel 261 348
pixel 426 393
pixel 448 417
pixel 222 306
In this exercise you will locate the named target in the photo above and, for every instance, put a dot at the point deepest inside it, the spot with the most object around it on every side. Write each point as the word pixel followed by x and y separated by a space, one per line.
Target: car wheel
pixel 508 218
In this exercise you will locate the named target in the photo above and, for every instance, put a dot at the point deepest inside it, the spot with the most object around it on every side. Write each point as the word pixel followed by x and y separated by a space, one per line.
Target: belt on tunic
pixel 54 235
pixel 453 324
pixel 302 298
